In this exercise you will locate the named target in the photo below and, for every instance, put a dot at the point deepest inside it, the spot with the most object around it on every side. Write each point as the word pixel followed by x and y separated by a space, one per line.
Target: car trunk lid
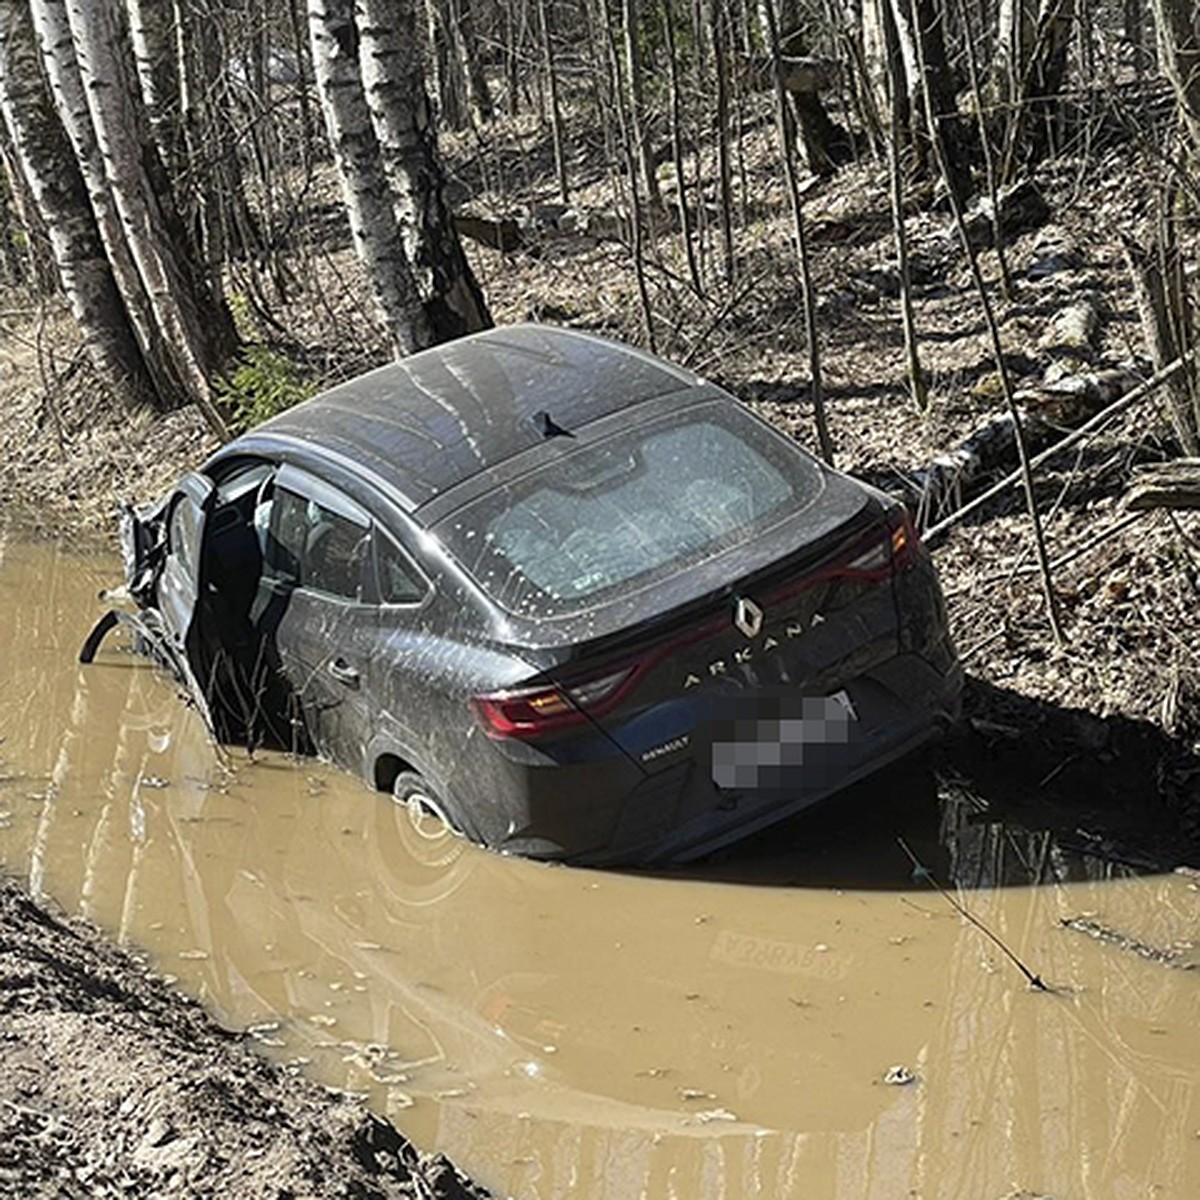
pixel 791 626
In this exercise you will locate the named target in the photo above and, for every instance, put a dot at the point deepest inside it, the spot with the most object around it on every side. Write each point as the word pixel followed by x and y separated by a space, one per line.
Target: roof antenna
pixel 548 427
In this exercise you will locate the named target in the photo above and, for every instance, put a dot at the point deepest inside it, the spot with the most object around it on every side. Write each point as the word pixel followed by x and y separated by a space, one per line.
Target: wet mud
pixel 807 1016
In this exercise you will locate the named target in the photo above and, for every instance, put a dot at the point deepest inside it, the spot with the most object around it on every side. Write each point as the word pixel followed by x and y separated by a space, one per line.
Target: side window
pixel 309 545
pixel 184 534
pixel 334 553
pixel 399 580
pixel 287 528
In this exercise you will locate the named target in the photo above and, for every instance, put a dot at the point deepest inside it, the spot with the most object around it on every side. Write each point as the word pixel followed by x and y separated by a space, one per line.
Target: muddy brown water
pixel 562 1032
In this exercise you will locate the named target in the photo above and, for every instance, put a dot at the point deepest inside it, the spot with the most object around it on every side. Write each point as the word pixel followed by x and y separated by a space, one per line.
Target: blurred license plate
pixel 767 751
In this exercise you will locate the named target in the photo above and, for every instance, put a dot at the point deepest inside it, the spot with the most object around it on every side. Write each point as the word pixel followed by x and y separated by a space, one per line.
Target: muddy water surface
pixel 571 1033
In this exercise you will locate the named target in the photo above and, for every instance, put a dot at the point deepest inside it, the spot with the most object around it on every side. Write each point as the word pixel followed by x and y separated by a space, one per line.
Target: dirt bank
pixel 112 1084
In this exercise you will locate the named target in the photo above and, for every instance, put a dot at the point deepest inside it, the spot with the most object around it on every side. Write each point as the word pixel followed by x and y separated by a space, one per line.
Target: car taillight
pixel 886 551
pixel 906 541
pixel 527 712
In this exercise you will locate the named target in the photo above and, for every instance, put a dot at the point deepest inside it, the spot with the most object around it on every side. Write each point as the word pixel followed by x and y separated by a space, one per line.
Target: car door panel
pixel 180 582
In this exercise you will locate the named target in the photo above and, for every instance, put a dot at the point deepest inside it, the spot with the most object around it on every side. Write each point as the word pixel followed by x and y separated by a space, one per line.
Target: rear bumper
pixel 704 817
pixel 609 811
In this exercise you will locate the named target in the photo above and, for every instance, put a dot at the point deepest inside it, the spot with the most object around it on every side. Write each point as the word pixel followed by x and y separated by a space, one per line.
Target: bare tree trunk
pixel 479 95
pixel 556 128
pixel 1135 32
pixel 1168 314
pixel 196 332
pixel 335 52
pixel 219 219
pixel 826 144
pixel 886 81
pixel 919 35
pixel 1179 37
pixel 806 282
pixel 1016 29
pixel 1033 43
pixel 512 60
pixel 916 376
pixel 25 231
pixel 989 316
pixel 151 26
pixel 394 85
pixel 66 81
pixel 54 179
pixel 685 219
pixel 449 85
pixel 991 175
pixel 716 25
pixel 631 10
pixel 12 262
pixel 637 232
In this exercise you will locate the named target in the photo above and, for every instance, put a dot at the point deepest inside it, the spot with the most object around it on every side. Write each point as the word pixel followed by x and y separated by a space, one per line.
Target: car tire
pixel 428 832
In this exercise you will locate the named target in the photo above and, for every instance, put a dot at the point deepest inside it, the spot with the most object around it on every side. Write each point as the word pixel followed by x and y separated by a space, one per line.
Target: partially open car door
pixel 180 579
pixel 163 551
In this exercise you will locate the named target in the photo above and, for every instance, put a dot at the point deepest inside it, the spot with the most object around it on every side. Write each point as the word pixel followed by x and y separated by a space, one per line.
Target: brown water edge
pixel 569 1033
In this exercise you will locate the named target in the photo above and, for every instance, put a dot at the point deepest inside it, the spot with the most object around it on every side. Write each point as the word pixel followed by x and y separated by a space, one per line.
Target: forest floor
pixel 1111 715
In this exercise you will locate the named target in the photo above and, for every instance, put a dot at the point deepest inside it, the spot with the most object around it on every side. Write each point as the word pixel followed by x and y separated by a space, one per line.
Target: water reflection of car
pixel 577 600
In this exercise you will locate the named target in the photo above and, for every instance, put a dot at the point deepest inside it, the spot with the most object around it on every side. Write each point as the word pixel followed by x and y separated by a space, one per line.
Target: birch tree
pixel 152 30
pixel 392 75
pixel 1032 43
pixel 54 179
pixel 70 101
pixel 335 52
pixel 196 332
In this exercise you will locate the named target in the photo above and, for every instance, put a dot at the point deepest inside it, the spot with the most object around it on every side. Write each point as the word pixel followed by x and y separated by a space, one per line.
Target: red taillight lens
pixel 528 712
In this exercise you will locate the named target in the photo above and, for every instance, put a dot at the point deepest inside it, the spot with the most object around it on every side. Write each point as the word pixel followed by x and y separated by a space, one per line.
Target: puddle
pixel 727 1034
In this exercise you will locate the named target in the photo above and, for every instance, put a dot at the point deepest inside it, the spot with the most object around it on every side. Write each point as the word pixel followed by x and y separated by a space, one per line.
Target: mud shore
pixel 113 1084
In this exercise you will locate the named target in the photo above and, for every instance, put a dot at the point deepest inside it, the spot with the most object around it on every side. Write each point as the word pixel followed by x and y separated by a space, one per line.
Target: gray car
pixel 578 601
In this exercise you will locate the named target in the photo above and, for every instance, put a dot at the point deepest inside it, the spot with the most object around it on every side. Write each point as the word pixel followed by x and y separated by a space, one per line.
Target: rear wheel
pixel 428 837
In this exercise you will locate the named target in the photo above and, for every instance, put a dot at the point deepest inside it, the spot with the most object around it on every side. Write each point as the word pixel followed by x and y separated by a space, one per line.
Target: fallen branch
pixel 1174 484
pixel 1081 434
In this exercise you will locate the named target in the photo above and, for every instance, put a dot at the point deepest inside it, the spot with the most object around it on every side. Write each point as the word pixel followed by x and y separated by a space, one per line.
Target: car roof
pixel 431 421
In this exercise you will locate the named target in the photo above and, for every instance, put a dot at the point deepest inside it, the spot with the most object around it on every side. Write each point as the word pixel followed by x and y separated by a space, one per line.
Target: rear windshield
pixel 630 511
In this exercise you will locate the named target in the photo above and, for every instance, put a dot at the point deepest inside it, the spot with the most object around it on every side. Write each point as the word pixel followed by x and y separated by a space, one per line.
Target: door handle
pixel 343 672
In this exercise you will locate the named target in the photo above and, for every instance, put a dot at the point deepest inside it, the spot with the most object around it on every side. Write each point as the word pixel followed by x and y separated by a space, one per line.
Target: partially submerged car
pixel 577 601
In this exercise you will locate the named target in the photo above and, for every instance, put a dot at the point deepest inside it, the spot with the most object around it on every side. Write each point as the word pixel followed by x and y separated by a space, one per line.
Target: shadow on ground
pixel 1025 792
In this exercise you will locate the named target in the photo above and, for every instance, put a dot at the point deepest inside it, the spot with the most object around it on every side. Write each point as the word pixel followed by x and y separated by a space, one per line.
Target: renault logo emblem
pixel 748 617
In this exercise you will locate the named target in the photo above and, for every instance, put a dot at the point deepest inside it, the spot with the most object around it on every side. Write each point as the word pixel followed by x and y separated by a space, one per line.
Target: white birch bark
pixel 190 323
pixel 377 239
pixel 878 43
pixel 151 28
pixel 58 190
pixel 394 83
pixel 66 86
pixel 1015 32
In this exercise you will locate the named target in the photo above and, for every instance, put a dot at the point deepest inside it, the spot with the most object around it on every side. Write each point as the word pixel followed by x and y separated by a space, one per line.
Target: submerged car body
pixel 578 600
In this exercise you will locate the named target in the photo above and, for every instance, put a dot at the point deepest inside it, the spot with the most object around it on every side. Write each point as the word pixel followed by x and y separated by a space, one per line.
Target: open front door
pixel 181 581
pixel 164 567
